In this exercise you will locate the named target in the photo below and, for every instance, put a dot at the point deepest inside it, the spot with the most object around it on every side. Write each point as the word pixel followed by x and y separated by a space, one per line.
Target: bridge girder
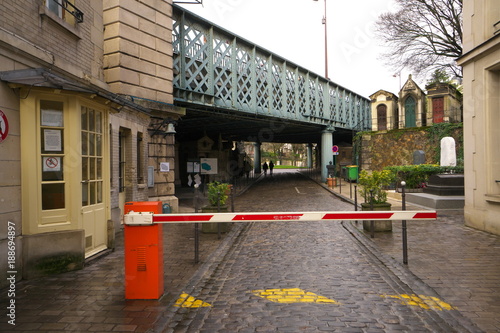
pixel 231 86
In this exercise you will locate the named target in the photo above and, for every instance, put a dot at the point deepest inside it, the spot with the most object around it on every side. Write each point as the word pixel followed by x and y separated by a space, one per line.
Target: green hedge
pixel 416 176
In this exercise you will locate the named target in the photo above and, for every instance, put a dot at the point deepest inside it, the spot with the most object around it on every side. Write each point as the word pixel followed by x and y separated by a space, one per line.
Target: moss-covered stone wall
pixel 396 147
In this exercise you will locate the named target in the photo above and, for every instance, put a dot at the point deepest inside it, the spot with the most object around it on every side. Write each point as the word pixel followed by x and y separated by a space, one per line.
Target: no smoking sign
pixel 51 163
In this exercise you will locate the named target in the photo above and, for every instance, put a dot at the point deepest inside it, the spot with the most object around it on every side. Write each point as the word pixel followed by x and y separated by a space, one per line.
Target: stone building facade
pixel 384 107
pixel 416 108
pixel 412 105
pixel 85 96
pixel 444 104
pixel 481 82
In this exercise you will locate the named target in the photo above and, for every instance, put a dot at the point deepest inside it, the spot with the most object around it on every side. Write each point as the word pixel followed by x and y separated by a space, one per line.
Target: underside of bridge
pixel 243 126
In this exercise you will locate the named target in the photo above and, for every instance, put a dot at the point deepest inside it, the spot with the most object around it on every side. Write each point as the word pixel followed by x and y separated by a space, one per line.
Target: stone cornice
pixel 480 50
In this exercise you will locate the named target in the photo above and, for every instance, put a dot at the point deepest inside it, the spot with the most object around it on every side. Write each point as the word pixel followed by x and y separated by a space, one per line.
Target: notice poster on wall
pixel 208 166
pixel 53 118
pixel 193 167
pixel 164 167
pixel 52 140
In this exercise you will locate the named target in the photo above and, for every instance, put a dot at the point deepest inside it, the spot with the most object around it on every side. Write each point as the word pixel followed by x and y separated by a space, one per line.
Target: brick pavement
pixel 462 268
pixel 459 263
pixel 318 257
pixel 93 299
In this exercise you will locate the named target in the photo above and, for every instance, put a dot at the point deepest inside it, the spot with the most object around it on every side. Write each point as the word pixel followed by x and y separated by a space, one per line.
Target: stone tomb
pixel 443 191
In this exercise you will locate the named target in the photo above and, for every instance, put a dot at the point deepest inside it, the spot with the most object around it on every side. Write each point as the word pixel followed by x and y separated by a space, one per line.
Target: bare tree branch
pixel 423 36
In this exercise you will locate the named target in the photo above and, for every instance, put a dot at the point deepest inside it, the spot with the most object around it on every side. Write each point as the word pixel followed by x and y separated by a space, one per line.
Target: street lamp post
pixel 326 43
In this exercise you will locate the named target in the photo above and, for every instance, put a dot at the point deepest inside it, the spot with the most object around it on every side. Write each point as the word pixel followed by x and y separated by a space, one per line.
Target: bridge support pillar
pixel 326 151
pixel 309 155
pixel 256 160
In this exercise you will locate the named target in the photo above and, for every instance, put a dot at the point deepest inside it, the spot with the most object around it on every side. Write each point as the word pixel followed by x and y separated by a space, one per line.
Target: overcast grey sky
pixel 293 29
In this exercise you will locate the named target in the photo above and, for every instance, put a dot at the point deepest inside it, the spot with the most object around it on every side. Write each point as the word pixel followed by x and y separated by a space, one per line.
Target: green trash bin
pixel 352 172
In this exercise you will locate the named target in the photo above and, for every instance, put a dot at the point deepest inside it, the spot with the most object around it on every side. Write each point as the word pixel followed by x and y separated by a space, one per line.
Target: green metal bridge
pixel 235 88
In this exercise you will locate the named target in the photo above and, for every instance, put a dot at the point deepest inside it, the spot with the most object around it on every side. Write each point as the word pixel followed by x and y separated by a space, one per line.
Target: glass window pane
pixel 85 194
pixel 99 192
pixel 99 168
pixel 92 193
pixel 91 120
pixel 92 168
pixel 51 113
pixel 55 7
pixel 84 118
pixel 98 122
pixel 91 144
pixel 98 145
pixel 52 168
pixel 85 143
pixel 85 168
pixel 53 196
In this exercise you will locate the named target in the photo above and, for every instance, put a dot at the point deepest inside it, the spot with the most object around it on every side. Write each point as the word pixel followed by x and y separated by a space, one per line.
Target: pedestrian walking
pixel 271 167
pixel 248 168
pixel 265 167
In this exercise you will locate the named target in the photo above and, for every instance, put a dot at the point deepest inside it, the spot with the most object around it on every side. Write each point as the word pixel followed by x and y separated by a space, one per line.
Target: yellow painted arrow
pixel 187 301
pixel 291 295
pixel 425 302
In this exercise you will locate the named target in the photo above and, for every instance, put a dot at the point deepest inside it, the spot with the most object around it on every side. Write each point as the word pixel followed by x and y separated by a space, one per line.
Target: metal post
pixel 218 211
pixel 340 182
pixel 196 228
pixel 232 198
pixel 372 223
pixel 405 237
pixel 356 199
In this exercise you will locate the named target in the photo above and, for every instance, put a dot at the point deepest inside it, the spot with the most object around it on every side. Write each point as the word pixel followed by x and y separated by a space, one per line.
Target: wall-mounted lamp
pixel 170 129
pixel 157 126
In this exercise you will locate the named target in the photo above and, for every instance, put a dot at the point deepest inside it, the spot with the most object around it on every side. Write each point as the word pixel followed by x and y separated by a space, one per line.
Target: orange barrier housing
pixel 143 254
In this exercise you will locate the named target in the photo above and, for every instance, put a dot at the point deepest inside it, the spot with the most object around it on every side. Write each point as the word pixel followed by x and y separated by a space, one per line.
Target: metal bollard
pixel 403 227
pixel 196 227
pixel 372 223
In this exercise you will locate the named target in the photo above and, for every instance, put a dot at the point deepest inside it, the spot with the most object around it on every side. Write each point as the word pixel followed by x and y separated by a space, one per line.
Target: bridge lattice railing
pixel 216 68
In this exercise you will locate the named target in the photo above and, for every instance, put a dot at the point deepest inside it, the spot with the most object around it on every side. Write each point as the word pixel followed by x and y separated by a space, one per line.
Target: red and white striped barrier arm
pixel 141 218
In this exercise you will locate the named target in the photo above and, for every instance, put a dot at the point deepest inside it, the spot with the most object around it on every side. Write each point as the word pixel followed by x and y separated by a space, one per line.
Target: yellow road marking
pixel 187 301
pixel 425 302
pixel 291 295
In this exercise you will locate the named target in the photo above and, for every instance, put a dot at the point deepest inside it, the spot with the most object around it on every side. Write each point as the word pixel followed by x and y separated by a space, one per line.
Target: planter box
pixel 379 225
pixel 212 227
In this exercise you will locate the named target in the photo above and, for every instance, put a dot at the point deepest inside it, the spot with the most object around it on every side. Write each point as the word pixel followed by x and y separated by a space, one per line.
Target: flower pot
pixel 378 225
pixel 229 189
pixel 331 182
pixel 212 227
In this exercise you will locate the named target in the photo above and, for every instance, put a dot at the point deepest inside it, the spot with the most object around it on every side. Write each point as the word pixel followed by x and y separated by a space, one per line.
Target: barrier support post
pixel 143 254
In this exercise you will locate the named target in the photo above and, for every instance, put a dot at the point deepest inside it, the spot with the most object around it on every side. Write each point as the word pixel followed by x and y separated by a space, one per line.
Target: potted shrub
pixel 372 190
pixel 218 193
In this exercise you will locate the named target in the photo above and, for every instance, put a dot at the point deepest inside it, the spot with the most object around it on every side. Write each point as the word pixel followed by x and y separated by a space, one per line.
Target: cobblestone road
pixel 304 276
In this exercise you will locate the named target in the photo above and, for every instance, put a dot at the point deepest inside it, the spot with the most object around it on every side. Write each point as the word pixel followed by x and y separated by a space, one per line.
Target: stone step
pixel 436 201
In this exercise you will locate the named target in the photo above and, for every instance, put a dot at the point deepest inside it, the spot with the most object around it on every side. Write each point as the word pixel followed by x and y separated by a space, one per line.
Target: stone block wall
pixel 378 150
pixel 138 48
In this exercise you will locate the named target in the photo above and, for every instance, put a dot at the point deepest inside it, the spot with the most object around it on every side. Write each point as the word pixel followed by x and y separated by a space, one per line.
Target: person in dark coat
pixel 265 167
pixel 271 167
